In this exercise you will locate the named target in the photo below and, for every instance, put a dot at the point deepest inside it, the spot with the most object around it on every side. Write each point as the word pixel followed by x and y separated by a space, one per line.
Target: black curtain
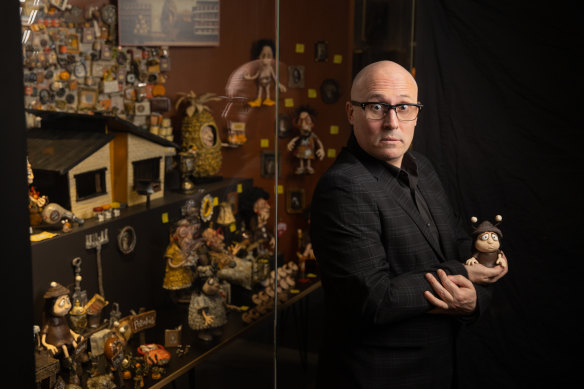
pixel 502 120
pixel 16 285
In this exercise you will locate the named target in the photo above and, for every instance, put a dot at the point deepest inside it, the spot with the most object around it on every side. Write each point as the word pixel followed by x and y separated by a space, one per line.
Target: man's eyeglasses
pixel 377 110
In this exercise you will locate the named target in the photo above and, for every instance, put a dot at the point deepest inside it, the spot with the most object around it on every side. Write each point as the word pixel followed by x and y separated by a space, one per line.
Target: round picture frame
pixel 127 240
pixel 329 91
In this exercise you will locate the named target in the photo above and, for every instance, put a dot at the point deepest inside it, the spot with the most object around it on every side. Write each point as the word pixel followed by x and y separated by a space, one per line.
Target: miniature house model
pixel 87 161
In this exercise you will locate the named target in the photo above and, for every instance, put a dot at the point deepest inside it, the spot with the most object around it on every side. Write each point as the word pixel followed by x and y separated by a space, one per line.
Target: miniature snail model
pixel 487 243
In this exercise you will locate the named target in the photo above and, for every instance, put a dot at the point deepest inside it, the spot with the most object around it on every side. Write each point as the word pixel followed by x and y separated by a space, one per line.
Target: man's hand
pixel 456 294
pixel 483 275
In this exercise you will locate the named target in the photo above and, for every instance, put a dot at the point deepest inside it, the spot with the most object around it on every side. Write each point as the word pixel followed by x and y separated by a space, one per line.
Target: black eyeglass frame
pixel 388 106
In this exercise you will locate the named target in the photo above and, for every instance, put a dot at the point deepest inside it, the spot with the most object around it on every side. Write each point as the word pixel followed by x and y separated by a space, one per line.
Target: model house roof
pixel 61 150
pixel 96 123
pixel 66 139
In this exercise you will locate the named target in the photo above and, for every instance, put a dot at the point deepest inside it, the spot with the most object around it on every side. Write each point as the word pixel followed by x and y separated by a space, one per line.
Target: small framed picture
pixel 295 200
pixel 127 240
pixel 72 43
pixel 172 337
pixel 296 76
pixel 87 98
pixel 285 126
pixel 268 164
pixel 320 51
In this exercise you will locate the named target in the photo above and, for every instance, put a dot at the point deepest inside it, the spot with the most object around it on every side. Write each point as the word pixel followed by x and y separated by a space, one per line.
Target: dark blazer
pixel 373 250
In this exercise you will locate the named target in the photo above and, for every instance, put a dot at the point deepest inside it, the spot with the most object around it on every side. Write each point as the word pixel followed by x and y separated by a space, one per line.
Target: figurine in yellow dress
pixel 181 256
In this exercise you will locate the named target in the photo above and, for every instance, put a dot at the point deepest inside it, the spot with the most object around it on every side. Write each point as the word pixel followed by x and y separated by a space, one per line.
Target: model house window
pixel 147 170
pixel 90 184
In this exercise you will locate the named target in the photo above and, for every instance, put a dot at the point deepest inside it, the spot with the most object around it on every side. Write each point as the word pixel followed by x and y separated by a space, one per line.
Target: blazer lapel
pixel 389 183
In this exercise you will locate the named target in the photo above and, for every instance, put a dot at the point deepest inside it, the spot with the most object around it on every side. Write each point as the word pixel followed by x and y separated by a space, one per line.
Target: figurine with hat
pixel 487 244
pixel 56 336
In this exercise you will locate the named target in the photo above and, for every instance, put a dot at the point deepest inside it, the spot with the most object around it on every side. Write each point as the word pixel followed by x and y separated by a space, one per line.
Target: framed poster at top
pixel 168 22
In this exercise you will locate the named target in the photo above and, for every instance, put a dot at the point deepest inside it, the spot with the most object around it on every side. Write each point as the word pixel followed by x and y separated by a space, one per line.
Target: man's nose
pixel 391 119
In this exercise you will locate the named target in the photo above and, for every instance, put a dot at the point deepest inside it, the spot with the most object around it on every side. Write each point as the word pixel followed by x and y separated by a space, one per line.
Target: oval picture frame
pixel 127 240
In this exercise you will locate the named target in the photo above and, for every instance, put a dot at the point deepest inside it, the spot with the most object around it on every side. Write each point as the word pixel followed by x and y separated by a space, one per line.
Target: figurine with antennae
pixel 487 244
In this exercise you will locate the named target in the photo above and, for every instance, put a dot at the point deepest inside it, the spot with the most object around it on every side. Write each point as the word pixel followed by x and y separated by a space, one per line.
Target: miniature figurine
pixel 305 253
pixel 265 75
pixel 260 241
pixel 36 202
pixel 207 310
pixel 307 145
pixel 181 256
pixel 487 244
pixel 43 212
pixel 56 336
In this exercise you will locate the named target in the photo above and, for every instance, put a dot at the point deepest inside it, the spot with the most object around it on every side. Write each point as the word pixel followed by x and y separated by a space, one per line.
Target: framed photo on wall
pixel 268 164
pixel 295 201
pixel 296 76
pixel 320 51
pixel 168 22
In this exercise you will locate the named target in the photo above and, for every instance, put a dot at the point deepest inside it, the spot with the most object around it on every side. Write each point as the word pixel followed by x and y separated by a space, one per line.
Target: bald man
pixel 390 250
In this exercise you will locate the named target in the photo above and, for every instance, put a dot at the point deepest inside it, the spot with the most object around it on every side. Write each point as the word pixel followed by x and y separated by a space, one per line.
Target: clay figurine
pixel 265 75
pixel 487 244
pixel 207 310
pixel 307 145
pixel 180 256
pixel 56 336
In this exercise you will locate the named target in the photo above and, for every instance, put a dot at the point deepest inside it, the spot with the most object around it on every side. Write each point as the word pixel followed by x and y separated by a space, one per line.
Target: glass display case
pixel 173 148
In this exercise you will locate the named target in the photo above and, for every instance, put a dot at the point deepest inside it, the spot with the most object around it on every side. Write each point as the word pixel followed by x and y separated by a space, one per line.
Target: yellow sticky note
pixel 312 93
pixel 280 189
pixel 215 201
pixel 264 143
pixel 300 47
pixel 239 188
pixel 334 129
pixel 331 153
pixel 289 102
pixel 337 58
pixel 165 217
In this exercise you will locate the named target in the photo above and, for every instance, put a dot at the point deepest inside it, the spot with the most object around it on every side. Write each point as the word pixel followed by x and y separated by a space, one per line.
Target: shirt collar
pixel 408 172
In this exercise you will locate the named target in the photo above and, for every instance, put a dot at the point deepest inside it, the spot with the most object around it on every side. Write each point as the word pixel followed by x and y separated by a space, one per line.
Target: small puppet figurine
pixel 307 145
pixel 487 243
pixel 56 336
pixel 181 256
pixel 36 201
pixel 208 307
pixel 264 51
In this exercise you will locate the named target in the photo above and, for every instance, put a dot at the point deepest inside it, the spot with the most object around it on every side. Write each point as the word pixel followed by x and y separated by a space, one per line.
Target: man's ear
pixel 349 108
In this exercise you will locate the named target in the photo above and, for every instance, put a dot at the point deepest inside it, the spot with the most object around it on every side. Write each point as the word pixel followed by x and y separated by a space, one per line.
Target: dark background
pixel 501 86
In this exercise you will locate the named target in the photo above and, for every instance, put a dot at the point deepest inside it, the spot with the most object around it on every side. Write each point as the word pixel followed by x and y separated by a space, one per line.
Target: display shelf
pixel 200 350
pixel 132 280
